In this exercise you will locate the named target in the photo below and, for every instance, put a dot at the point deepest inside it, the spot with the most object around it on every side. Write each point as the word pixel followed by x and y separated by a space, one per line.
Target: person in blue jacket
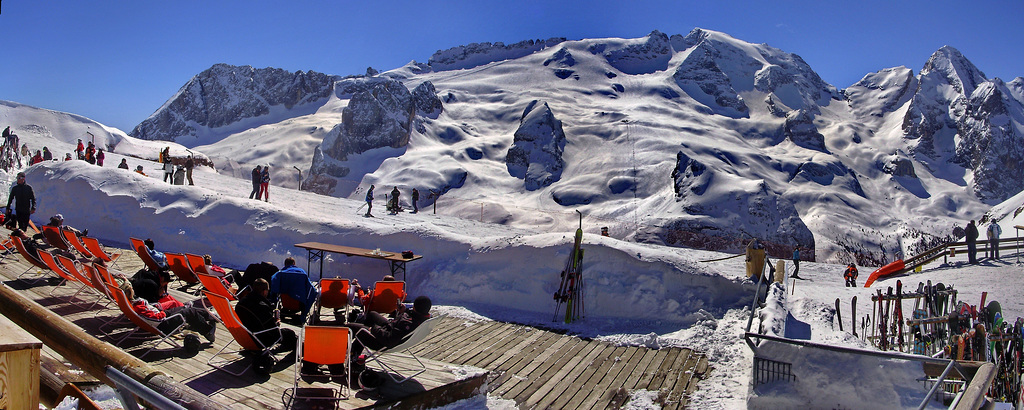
pixel 294 281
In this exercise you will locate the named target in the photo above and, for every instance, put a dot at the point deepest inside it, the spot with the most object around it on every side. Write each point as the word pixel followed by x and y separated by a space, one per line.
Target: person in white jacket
pixel 993 239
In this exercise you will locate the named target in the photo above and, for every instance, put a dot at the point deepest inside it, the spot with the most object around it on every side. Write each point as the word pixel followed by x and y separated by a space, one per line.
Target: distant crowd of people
pixel 392 205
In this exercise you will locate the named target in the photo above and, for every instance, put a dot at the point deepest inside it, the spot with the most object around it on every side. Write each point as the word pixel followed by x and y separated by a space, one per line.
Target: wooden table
pixel 395 260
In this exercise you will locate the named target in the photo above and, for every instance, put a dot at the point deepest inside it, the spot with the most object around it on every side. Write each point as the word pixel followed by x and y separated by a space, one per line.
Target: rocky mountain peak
pixel 225 94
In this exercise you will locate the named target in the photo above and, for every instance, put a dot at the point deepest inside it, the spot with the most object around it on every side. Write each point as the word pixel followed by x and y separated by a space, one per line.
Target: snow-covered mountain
pixel 700 140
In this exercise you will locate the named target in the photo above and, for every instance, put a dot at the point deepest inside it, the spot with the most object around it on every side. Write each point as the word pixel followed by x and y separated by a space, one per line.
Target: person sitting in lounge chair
pixel 157 256
pixel 198 319
pixel 293 281
pixel 257 313
pixel 384 332
pixel 57 221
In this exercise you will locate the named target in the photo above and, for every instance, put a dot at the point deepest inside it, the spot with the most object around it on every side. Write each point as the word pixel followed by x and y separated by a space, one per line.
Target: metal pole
pixel 928 397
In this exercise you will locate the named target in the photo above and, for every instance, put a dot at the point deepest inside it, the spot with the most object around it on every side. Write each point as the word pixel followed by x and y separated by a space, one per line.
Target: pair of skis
pixel 570 290
pixel 853 316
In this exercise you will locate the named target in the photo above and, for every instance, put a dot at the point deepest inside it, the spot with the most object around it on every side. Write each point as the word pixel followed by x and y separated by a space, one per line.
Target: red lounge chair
pixel 32 260
pixel 73 240
pixel 54 238
pixel 245 338
pixel 143 325
pixel 140 248
pixel 94 248
pixel 386 296
pixel 333 295
pixel 323 345
pixel 179 265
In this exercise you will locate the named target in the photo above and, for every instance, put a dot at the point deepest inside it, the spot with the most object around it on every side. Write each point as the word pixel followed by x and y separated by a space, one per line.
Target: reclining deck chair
pixel 93 245
pixel 323 345
pixel 142 324
pixel 386 296
pixel 333 295
pixel 76 243
pixel 70 267
pixel 197 263
pixel 246 339
pixel 214 285
pixel 179 265
pixel 7 248
pixel 143 251
pixel 416 337
pixel 66 277
pixel 32 260
pixel 54 238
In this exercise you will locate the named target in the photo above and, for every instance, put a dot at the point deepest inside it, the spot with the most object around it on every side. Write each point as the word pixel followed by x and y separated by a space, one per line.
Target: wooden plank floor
pixel 442 383
pixel 533 367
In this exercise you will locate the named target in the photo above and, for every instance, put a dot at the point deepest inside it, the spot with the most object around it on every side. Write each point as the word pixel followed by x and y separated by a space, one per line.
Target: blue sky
pixel 118 61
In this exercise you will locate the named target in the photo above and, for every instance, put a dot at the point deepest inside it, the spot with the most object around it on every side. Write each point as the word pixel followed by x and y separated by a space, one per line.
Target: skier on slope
pixel 850 275
pixel 369 201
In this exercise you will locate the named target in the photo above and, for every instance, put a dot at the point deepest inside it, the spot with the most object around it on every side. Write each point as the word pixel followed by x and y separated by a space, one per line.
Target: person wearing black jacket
pixel 257 176
pixel 24 201
pixel 384 332
pixel 257 314
pixel 972 242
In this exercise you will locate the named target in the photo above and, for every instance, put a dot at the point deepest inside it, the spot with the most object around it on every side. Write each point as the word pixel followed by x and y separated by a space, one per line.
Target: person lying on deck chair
pixel 293 281
pixel 157 256
pixel 197 319
pixel 57 221
pixel 33 245
pixel 384 332
pixel 225 277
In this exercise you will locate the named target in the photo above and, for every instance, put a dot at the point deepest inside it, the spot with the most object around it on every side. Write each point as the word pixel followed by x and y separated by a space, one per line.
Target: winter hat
pixel 58 217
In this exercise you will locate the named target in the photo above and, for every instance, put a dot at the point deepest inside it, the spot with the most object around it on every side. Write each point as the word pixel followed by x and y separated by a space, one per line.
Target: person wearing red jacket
pixel 164 311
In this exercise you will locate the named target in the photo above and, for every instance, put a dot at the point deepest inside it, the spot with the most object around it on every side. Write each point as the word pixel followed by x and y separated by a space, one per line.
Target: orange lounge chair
pixel 197 263
pixel 386 296
pixel 32 260
pixel 323 345
pixel 333 295
pixel 70 267
pixel 143 252
pixel 246 339
pixel 66 277
pixel 142 324
pixel 54 238
pixel 93 245
pixel 73 240
pixel 179 265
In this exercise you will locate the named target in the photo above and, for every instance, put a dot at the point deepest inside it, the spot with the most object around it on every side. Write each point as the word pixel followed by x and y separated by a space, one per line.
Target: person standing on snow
pixel 796 263
pixel 257 174
pixel 265 184
pixel 972 242
pixel 24 201
pixel 99 157
pixel 369 200
pixel 80 150
pixel 415 199
pixel 189 164
pixel 993 239
pixel 122 165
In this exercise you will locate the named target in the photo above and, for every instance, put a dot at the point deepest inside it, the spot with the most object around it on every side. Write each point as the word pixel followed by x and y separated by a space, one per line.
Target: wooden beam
pixel 91 354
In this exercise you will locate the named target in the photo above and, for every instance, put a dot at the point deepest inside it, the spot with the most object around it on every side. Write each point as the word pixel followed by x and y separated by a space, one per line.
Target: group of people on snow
pixel 971 234
pixel 261 183
pixel 392 206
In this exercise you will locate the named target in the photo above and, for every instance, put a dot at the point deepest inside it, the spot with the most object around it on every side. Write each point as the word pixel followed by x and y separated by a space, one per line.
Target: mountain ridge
pixel 769 135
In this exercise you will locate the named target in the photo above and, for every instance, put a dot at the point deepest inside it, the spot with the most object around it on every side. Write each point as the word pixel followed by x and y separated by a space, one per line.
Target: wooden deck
pixel 535 368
